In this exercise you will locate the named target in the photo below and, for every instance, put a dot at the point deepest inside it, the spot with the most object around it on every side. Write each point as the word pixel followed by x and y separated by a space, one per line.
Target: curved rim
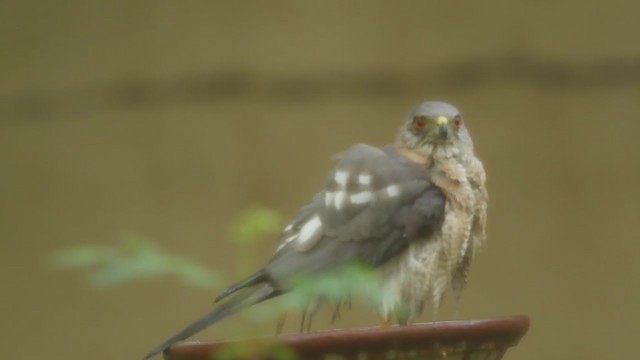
pixel 440 337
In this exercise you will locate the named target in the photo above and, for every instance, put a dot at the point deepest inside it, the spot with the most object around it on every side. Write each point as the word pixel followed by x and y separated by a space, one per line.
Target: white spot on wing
pixel 393 190
pixel 285 242
pixel 340 199
pixel 309 233
pixel 341 177
pixel 362 197
pixel 328 198
pixel 288 228
pixel 364 179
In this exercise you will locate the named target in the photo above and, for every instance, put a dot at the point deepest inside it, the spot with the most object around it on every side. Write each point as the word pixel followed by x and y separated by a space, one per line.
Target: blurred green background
pixel 168 119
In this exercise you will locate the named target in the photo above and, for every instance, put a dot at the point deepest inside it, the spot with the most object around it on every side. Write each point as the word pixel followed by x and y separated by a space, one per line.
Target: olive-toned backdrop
pixel 167 119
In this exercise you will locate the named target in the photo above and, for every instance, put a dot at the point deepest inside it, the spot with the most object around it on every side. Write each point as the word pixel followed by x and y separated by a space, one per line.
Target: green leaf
pixel 135 258
pixel 83 256
pixel 253 224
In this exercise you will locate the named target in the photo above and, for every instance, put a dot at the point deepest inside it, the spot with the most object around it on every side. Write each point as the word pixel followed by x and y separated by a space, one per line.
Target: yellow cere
pixel 441 120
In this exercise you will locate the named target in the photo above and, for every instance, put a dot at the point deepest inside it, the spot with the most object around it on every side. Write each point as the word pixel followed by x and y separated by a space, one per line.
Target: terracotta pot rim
pixel 497 333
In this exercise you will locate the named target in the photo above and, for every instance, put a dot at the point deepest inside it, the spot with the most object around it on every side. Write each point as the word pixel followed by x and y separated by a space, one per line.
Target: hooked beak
pixel 443 128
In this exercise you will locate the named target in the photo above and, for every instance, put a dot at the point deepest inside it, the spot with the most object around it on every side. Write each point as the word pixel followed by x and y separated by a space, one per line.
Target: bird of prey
pixel 415 211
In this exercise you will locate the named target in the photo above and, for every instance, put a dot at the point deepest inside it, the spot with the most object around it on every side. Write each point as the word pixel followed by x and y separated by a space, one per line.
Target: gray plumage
pixel 370 232
pixel 415 210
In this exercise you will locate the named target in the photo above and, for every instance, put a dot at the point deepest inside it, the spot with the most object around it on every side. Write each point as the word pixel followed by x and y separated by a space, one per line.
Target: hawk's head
pixel 434 125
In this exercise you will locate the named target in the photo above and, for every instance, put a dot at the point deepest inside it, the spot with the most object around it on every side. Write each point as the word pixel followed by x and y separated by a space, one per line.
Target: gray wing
pixel 373 205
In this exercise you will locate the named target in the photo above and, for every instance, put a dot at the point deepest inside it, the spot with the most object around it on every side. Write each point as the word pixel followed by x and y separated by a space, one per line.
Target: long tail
pixel 251 296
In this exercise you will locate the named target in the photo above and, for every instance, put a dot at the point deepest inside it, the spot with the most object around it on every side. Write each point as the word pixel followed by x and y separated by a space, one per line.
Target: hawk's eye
pixel 457 121
pixel 419 122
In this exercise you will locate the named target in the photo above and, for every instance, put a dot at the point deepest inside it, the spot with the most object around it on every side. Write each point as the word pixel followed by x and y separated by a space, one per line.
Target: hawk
pixel 415 211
